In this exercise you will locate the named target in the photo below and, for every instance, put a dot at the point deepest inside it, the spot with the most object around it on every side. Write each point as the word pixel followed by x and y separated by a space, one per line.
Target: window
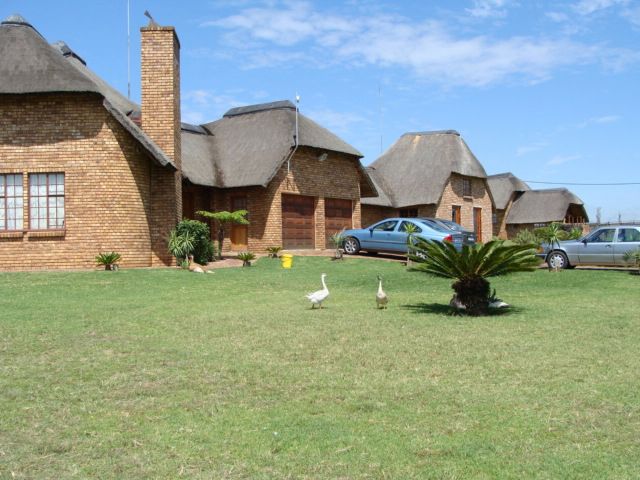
pixel 629 235
pixel 409 212
pixel 387 226
pixel 11 202
pixel 403 227
pixel 494 218
pixel 46 201
pixel 604 235
pixel 456 214
pixel 466 187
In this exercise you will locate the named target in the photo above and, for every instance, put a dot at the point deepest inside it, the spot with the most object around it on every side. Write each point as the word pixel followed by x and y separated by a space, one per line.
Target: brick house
pixel 77 175
pixel 431 174
pixel 520 208
pixel 84 170
pixel 299 182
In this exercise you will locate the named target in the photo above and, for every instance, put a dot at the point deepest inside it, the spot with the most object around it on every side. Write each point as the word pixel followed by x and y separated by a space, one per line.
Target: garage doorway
pixel 298 225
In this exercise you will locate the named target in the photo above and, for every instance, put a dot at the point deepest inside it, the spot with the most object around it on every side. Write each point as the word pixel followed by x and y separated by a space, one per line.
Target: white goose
pixel 381 297
pixel 316 298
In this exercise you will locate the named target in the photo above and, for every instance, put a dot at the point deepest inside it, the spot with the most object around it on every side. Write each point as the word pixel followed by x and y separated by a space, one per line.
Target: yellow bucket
pixel 287 260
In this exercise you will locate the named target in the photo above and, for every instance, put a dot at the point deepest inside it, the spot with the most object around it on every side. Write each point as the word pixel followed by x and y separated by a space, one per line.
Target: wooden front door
pixel 477 223
pixel 337 215
pixel 239 233
pixel 298 226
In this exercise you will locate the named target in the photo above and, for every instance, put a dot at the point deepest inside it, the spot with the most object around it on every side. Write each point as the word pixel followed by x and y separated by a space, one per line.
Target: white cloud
pixel 598 121
pixel 527 149
pixel 560 159
pixel 339 122
pixel 587 7
pixel 288 33
pixel 633 15
pixel 200 106
pixel 488 8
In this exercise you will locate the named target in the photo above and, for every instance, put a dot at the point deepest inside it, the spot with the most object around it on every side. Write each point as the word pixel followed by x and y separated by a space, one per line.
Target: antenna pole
pixel 380 113
pixel 297 104
pixel 128 51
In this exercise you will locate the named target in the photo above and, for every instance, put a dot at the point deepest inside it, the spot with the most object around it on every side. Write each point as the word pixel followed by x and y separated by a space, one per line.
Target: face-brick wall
pixel 338 176
pixel 479 198
pixel 107 182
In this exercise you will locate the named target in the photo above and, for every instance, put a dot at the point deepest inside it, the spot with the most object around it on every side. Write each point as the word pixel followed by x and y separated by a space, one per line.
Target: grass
pixel 167 374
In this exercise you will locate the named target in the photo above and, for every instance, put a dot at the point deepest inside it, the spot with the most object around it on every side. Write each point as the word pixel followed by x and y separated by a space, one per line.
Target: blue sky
pixel 546 90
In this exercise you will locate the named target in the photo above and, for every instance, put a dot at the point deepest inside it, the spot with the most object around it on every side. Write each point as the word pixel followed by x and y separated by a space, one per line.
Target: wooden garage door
pixel 337 215
pixel 298 227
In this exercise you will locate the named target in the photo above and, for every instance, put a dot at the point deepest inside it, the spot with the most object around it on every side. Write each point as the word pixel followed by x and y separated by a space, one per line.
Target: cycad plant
pixel 552 235
pixel 410 229
pixel 471 267
pixel 247 258
pixel 225 218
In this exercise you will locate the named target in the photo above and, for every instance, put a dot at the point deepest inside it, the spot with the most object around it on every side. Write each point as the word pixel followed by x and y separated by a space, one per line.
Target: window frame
pixel 467 191
pixel 36 220
pixel 4 203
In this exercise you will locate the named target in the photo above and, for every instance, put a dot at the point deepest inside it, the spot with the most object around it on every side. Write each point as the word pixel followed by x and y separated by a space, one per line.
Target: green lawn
pixel 167 374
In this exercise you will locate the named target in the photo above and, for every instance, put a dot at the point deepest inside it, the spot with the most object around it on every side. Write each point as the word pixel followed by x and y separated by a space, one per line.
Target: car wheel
pixel 557 260
pixel 351 246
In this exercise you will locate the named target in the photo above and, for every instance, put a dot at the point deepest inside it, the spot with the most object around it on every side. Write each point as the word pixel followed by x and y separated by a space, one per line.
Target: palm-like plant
pixel 225 218
pixel 471 267
pixel 410 229
pixel 181 244
pixel 553 235
pixel 108 259
pixel 273 251
pixel 337 240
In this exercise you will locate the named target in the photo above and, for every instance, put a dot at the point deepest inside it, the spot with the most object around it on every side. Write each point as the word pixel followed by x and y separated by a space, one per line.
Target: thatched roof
pixel 543 206
pixel 249 144
pixel 28 64
pixel 118 100
pixel 503 186
pixel 384 198
pixel 417 167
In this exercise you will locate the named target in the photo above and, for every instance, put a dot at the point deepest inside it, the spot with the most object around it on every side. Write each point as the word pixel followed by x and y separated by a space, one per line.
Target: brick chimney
pixel 160 75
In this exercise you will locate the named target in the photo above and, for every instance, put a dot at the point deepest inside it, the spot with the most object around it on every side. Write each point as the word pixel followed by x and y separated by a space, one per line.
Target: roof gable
pixel 503 186
pixel 415 169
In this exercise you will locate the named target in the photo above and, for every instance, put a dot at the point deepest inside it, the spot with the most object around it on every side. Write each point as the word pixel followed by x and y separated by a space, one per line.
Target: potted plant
pixel 109 260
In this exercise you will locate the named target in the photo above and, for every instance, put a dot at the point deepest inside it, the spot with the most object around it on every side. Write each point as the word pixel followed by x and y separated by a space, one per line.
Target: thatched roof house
pixel 517 206
pixel 545 206
pixel 432 174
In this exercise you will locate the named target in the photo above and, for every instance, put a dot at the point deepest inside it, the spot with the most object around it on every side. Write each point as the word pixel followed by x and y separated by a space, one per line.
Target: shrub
pixel 108 259
pixel 526 237
pixel 202 249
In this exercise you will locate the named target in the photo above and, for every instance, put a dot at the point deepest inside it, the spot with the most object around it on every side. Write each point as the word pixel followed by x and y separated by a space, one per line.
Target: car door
pixel 628 239
pixel 380 236
pixel 597 248
pixel 399 238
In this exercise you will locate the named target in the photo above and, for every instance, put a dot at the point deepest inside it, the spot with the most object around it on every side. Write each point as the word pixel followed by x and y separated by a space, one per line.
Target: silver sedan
pixel 604 246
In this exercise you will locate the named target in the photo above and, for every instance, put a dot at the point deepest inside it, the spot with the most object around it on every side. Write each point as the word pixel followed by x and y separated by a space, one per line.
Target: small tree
pixel 337 240
pixel 410 229
pixel 225 218
pixel 471 267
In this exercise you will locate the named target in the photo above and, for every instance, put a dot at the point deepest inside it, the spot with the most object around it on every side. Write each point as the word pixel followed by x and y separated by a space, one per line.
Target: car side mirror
pixel 584 240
